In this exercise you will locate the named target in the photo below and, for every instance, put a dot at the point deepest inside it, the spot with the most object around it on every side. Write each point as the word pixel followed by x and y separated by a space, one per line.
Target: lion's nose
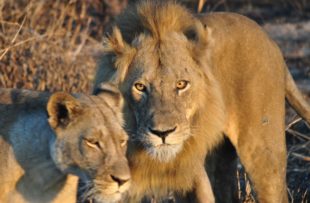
pixel 120 180
pixel 162 133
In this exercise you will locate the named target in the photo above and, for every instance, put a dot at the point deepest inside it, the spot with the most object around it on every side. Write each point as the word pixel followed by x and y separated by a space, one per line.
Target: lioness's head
pixel 160 52
pixel 90 141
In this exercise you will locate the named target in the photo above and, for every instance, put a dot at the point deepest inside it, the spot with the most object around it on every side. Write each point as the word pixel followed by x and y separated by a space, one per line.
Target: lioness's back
pixel 24 134
pixel 14 102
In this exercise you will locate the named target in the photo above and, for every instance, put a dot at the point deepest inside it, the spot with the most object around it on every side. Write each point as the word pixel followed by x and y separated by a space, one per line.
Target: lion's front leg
pixel 262 151
pixel 266 166
pixel 201 192
pixel 203 189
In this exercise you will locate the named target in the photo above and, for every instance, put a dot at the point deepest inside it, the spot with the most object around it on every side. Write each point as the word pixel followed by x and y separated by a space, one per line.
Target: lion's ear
pixel 111 94
pixel 124 53
pixel 114 42
pixel 62 108
pixel 200 36
pixel 198 33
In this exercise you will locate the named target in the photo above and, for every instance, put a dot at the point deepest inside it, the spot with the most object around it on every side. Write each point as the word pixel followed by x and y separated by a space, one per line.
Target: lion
pixel 190 82
pixel 48 141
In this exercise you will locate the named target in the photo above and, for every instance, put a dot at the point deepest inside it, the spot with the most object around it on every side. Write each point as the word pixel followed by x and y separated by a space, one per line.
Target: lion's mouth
pixel 164 145
pixel 164 152
pixel 168 143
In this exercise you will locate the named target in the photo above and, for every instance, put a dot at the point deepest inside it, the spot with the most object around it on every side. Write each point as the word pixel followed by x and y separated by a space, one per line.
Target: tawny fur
pixel 243 81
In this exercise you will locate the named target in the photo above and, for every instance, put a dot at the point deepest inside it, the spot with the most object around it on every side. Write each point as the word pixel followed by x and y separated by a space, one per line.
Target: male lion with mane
pixel 83 136
pixel 190 81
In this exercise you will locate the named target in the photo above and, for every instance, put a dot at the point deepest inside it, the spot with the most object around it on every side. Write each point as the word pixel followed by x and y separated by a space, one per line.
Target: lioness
pixel 188 81
pixel 40 156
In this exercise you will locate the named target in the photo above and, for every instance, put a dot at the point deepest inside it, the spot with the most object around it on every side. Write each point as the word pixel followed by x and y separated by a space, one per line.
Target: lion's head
pixel 90 141
pixel 160 56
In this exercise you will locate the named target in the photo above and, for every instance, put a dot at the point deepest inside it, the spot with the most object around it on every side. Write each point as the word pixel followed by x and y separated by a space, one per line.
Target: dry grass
pixel 298 170
pixel 50 45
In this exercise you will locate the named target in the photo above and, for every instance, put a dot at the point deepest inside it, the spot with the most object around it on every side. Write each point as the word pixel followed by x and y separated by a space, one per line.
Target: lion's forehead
pixel 168 58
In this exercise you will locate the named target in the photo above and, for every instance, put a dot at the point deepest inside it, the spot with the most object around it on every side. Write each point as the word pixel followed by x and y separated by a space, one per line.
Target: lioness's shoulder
pixel 13 102
pixel 18 97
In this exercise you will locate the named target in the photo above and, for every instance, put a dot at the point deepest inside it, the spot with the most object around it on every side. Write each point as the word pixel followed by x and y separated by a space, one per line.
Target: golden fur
pixel 237 83
pixel 48 139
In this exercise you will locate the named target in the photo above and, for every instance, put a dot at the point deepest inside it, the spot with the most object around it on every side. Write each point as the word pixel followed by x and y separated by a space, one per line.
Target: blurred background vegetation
pixel 53 45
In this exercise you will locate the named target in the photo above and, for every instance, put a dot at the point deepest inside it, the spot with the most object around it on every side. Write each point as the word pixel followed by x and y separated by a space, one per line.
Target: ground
pixel 54 45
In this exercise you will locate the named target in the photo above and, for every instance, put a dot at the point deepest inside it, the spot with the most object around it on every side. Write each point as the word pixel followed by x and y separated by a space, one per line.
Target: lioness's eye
pixel 182 84
pixel 140 87
pixel 92 143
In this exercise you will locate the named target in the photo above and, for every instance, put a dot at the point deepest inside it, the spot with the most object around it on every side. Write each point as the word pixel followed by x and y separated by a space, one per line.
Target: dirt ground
pixel 53 45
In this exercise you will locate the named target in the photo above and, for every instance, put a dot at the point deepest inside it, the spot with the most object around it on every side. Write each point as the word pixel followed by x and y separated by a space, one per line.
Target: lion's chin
pixel 111 198
pixel 164 152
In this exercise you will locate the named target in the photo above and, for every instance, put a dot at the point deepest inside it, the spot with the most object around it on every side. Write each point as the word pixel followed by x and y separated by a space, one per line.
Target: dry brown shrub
pixel 49 45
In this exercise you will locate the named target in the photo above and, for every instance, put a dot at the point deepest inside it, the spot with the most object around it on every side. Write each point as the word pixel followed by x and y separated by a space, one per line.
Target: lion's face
pixel 91 143
pixel 162 86
pixel 161 63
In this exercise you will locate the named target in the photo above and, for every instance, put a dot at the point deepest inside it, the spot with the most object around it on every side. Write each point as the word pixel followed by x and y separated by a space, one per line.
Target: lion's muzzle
pixel 162 133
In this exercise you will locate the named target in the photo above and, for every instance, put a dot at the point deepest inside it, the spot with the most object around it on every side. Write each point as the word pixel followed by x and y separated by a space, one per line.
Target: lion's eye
pixel 182 84
pixel 140 87
pixel 92 143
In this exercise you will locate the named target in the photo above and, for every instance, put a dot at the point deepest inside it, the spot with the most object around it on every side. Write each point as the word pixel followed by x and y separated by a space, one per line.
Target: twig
pixel 18 31
pixel 293 123
pixel 304 196
pixel 300 156
pixel 217 5
pixel 84 38
pixel 14 38
pixel 295 133
pixel 290 194
pixel 9 23
pixel 201 3
pixel 15 45
pixel 297 170
pixel 239 185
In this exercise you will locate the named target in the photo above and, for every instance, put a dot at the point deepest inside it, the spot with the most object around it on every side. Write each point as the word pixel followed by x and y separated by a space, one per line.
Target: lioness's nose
pixel 120 180
pixel 162 133
pixel 120 171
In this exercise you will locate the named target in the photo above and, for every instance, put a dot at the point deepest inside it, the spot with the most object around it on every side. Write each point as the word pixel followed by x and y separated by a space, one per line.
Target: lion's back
pixel 243 55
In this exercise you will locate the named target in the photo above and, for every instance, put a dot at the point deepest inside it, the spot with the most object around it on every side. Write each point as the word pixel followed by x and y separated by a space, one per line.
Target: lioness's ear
pixel 62 108
pixel 123 52
pixel 111 94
